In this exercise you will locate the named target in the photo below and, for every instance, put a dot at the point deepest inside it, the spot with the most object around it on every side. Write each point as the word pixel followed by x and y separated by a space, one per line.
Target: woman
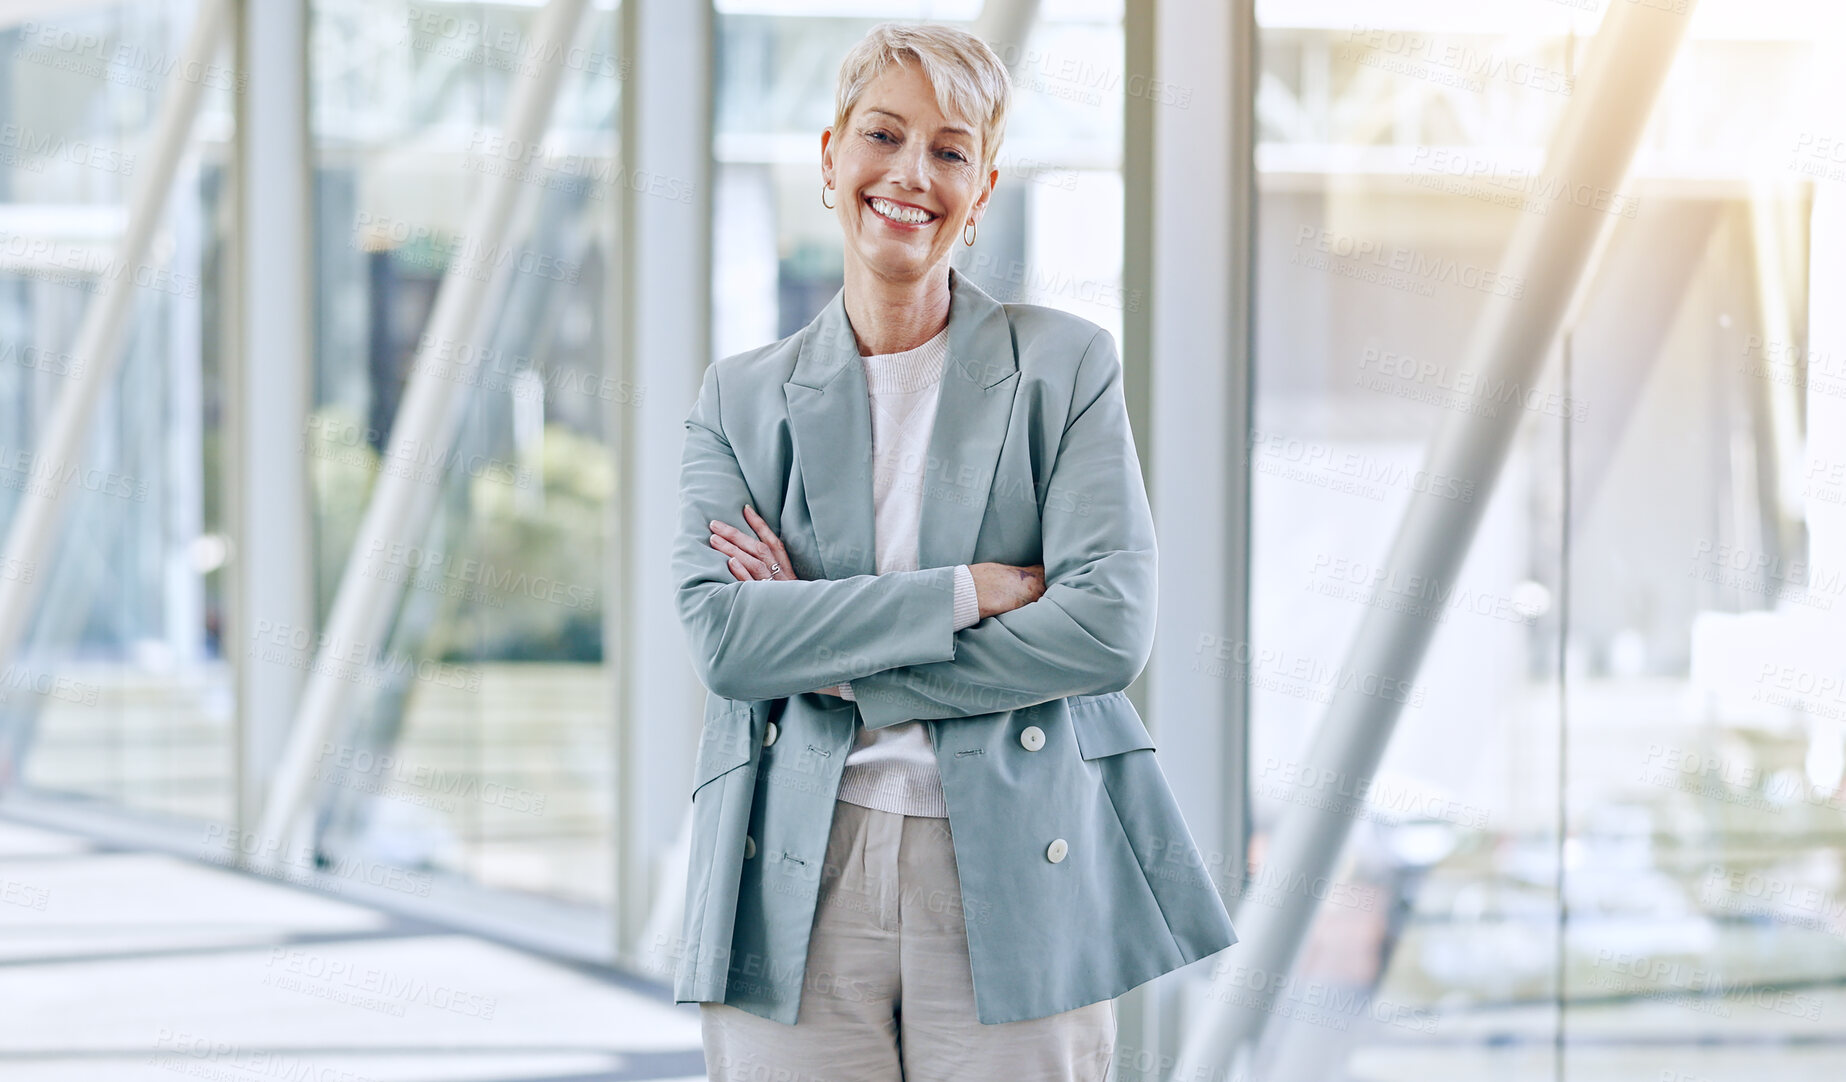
pixel 930 839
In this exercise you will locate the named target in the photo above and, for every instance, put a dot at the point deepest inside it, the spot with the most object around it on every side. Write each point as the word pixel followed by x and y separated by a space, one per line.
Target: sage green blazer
pixel 1079 877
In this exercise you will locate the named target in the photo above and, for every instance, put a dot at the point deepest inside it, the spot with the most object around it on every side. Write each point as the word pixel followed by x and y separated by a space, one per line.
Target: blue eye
pixel 955 154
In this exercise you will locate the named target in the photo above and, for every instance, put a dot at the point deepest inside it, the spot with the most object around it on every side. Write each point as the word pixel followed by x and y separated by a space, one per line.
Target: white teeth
pixel 907 215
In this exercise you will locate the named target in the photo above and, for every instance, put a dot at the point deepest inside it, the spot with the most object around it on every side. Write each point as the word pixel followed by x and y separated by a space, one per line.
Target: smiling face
pixel 908 178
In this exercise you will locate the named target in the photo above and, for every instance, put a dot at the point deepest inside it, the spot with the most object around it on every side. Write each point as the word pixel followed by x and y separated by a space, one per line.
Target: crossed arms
pixel 892 636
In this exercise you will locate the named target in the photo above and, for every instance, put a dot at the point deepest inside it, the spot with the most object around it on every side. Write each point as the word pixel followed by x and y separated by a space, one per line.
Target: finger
pixel 756 568
pixel 758 524
pixel 761 525
pixel 769 548
pixel 752 567
pixel 737 570
pixel 730 532
pixel 780 555
pixel 748 544
pixel 734 552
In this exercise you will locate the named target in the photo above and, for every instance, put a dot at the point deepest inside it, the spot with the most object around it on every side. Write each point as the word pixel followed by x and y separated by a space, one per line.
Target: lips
pixel 901 215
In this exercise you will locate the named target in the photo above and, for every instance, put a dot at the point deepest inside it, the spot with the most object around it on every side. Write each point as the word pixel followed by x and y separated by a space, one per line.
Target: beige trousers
pixel 889 992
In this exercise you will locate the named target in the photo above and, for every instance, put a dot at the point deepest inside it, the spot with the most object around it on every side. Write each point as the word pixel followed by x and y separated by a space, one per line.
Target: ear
pixel 826 153
pixel 980 205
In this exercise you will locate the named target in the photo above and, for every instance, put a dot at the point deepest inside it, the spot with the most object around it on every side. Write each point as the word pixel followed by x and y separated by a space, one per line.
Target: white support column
pixel 1200 184
pixel 272 562
pixel 1202 188
pixel 667 272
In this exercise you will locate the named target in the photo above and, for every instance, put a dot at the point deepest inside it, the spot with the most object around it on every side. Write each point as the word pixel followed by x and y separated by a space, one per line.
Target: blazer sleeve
pixel 967 614
pixel 1093 629
pixel 777 638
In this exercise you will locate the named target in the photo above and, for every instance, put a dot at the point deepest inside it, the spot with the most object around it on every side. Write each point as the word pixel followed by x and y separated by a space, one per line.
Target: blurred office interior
pixel 1491 401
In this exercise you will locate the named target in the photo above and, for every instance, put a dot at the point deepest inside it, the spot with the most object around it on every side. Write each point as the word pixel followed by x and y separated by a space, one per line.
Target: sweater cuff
pixel 846 692
pixel 967 602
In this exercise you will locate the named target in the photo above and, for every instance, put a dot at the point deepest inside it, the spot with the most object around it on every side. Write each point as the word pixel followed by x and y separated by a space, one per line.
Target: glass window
pixel 120 689
pixel 1609 809
pixel 479 746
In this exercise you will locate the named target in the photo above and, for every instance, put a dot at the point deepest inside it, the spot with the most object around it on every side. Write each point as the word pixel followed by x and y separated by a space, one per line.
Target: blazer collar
pixel 830 419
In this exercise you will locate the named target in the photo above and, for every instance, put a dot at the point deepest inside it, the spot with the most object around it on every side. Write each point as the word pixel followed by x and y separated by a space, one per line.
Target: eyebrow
pixel 955 129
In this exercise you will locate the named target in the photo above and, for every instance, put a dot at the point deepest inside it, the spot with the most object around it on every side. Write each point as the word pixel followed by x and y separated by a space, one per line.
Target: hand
pixel 751 558
pixel 1002 587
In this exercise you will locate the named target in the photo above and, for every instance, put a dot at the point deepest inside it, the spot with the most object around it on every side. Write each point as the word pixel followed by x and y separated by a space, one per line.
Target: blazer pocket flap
pixel 1107 725
pixel 726 741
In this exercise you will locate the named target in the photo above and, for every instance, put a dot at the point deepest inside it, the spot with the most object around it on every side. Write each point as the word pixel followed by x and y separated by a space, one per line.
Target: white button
pixel 770 736
pixel 1032 738
pixel 750 847
pixel 1056 850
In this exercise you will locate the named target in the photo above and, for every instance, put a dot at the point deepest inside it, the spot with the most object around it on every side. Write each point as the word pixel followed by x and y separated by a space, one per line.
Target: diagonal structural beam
pixel 1595 141
pixel 39 516
pixel 401 502
pixel 1007 22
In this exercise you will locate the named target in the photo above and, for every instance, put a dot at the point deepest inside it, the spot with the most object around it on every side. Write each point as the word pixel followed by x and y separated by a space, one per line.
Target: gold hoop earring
pixel 965 237
pixel 824 189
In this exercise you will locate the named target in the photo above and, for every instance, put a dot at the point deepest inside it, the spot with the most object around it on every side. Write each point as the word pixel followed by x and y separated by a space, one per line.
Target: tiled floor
pixel 126 966
pixel 119 965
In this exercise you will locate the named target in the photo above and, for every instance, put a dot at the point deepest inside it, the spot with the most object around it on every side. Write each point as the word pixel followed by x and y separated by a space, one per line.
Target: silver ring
pixel 775 569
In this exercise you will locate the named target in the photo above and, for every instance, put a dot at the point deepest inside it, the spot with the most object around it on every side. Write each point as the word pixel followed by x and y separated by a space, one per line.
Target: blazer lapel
pixel 830 420
pixel 972 411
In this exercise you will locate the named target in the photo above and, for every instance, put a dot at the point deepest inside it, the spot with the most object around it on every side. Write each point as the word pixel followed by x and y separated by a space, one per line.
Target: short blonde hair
pixel 970 81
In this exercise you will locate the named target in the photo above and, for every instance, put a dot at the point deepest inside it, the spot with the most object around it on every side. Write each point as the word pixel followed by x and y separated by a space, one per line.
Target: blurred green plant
pixel 522 577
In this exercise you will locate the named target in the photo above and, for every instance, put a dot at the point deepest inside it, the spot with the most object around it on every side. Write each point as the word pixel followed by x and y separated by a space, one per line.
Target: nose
pixel 910 170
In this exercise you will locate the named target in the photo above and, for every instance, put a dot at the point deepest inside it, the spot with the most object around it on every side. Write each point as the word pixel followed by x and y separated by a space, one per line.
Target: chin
pixel 896 261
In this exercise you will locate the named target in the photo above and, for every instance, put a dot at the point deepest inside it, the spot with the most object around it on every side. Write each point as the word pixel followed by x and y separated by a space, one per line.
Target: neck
pixel 890 316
